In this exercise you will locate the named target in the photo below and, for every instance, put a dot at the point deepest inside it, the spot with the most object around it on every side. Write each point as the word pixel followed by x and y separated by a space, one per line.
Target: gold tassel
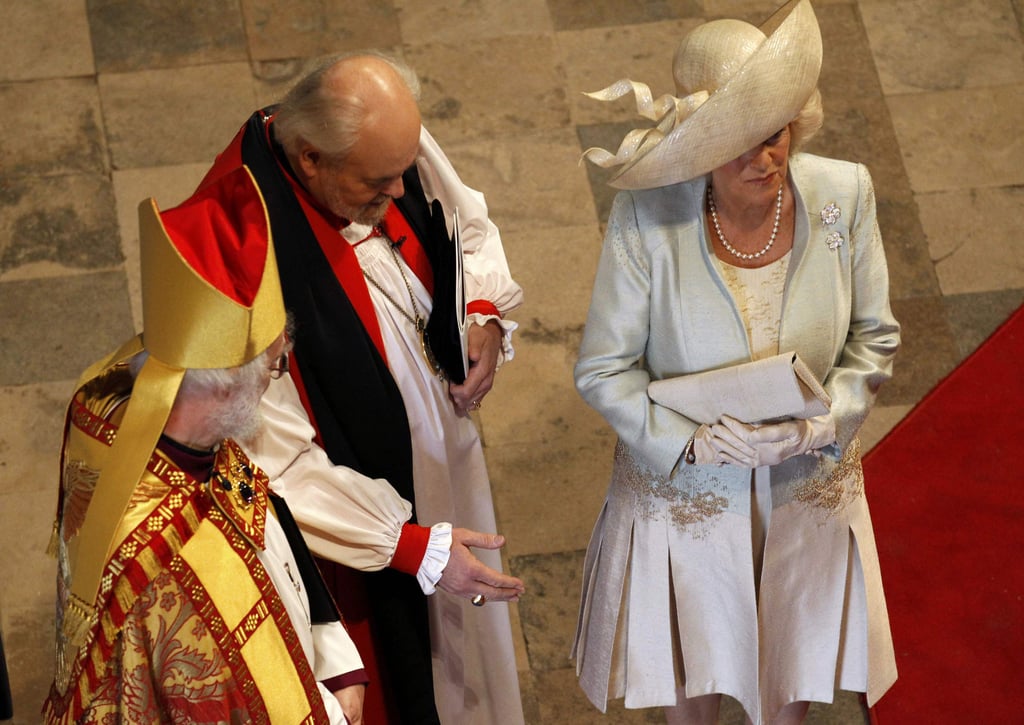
pixel 79 619
pixel 53 548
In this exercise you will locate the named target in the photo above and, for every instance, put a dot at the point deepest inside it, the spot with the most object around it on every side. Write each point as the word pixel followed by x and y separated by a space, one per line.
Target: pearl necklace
pixel 725 243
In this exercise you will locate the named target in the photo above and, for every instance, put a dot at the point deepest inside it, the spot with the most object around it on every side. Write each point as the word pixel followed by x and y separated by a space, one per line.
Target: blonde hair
pixel 807 123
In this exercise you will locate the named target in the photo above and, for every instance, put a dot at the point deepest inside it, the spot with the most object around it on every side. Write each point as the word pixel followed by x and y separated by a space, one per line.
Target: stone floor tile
pixel 56 224
pixel 175 116
pixel 881 420
pixel 911 273
pixel 28 646
pixel 452 21
pixel 531 183
pixel 462 100
pixel 557 265
pixel 579 14
pixel 555 698
pixel 169 186
pixel 33 46
pixel 534 398
pixel 29 451
pixel 861 130
pixel 274 77
pixel 757 11
pixel 594 58
pixel 928 350
pixel 548 614
pixel 934 45
pixel 845 709
pixel 55 327
pixel 52 127
pixel 1018 12
pixel 29 591
pixel 847 65
pixel 964 229
pixel 973 317
pixel 165 34
pixel 27 522
pixel 961 139
pixel 547 495
pixel 296 28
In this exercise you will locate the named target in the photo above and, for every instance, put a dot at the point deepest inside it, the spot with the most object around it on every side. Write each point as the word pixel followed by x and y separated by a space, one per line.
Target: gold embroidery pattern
pixel 79 485
pixel 758 296
pixel 845 483
pixel 251 622
pixel 684 507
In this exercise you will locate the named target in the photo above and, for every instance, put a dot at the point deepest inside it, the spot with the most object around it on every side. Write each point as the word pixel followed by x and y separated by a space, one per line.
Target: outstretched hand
pixel 466 576
pixel 482 348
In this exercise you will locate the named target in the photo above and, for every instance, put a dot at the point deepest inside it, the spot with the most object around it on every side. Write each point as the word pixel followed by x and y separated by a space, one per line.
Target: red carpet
pixel 946 490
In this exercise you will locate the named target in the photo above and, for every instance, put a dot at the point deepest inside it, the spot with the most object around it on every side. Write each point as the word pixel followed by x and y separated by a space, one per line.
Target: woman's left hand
pixel 483 347
pixel 773 444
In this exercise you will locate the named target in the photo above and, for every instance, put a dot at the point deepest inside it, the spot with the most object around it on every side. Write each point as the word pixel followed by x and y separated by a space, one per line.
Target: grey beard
pixel 239 418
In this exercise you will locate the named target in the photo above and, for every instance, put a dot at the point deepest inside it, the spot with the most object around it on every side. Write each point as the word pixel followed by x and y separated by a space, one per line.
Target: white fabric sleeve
pixel 874 334
pixel 336 653
pixel 344 515
pixel 486 269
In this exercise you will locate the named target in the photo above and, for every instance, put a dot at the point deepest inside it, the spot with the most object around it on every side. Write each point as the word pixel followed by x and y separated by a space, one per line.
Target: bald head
pixel 331 106
pixel 374 85
pixel 350 129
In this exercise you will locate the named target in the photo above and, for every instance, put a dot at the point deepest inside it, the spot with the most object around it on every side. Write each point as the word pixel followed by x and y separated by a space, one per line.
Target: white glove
pixel 769 445
pixel 709 448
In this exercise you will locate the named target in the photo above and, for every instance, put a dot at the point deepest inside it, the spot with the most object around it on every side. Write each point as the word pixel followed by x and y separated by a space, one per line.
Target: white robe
pixel 357 521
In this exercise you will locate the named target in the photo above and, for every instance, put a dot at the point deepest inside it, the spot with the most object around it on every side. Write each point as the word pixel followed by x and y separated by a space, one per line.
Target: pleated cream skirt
pixel 672 602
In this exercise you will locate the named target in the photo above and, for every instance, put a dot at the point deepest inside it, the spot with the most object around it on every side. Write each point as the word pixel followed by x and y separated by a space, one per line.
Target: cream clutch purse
pixel 771 389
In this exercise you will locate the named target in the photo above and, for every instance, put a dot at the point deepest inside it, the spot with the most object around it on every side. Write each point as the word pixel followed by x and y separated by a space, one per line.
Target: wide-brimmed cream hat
pixel 737 84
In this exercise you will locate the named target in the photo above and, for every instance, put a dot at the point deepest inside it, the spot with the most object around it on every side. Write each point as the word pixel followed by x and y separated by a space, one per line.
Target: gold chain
pixel 418 322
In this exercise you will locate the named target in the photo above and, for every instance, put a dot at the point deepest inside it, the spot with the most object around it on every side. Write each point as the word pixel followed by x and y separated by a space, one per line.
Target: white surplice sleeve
pixel 344 516
pixel 487 275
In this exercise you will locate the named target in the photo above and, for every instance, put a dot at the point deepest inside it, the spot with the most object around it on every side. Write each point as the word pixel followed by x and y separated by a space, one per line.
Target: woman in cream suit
pixel 731 557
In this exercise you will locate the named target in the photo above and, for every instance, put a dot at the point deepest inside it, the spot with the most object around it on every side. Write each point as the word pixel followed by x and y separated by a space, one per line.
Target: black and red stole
pixel 352 400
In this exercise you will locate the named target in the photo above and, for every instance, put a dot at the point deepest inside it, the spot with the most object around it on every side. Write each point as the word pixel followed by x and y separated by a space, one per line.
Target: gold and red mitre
pixel 211 298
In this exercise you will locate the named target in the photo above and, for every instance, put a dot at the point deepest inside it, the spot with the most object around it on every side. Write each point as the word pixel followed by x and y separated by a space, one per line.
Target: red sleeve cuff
pixel 412 545
pixel 356 677
pixel 482 307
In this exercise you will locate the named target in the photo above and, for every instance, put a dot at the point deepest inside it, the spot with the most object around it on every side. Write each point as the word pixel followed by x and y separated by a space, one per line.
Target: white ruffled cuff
pixel 435 559
pixel 507 328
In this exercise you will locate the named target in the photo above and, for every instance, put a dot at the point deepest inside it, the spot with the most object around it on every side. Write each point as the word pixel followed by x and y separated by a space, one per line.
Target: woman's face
pixel 754 176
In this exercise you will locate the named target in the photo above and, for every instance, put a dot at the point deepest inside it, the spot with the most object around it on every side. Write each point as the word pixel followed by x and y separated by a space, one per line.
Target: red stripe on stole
pixel 397 227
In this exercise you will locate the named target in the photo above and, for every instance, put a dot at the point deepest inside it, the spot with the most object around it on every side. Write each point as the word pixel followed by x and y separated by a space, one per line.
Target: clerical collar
pixel 197 464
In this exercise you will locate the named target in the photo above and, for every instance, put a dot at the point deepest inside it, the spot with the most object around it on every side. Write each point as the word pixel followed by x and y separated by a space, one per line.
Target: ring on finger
pixel 479 600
